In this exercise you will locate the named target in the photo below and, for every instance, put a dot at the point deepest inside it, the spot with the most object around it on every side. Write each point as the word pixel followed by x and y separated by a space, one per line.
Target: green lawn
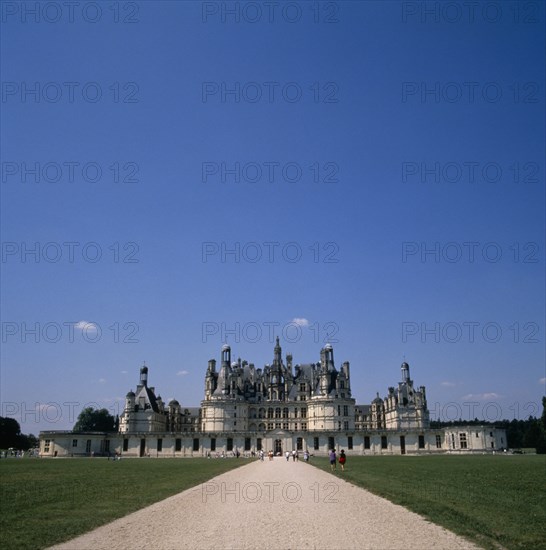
pixel 45 501
pixel 495 501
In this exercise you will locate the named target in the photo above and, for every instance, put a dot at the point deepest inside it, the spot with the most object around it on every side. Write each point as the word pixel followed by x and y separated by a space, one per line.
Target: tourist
pixel 287 454
pixel 306 456
pixel 294 455
pixel 332 456
pixel 342 459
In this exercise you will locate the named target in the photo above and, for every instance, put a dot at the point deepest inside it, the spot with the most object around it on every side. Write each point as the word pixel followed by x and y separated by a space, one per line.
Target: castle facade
pixel 280 407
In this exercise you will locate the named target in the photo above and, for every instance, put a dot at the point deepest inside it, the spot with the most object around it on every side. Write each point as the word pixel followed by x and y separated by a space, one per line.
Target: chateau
pixel 281 407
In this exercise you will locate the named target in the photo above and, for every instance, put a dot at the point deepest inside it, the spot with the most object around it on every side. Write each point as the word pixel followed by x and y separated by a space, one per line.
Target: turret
pixel 405 372
pixel 226 356
pixel 144 376
pixel 289 363
pixel 277 353
pixel 130 401
pixel 329 353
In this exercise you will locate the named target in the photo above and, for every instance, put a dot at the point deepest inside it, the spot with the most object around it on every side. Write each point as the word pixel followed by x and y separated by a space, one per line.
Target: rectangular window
pixel 350 442
pixel 316 443
pixel 46 445
pixel 159 445
pixel 331 443
pixel 178 444
pixel 345 410
pixel 492 444
pixel 438 441
pixel 304 426
pixel 247 443
pixel 259 444
pixel 339 410
pixel 88 446
pixel 303 413
pixel 339 425
pixel 195 444
pixel 125 444
pixel 107 445
pixel 299 443
pixel 270 425
pixel 366 441
pixel 285 425
pixel 462 441
pixel 346 425
pixel 296 412
pixel 74 443
pixel 477 434
pixel 213 444
pixel 421 442
pixel 384 442
pixel 230 444
pixel 490 434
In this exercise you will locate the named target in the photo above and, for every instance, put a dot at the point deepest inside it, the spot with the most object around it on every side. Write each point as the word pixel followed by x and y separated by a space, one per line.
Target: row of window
pixel 247 445
pixel 285 413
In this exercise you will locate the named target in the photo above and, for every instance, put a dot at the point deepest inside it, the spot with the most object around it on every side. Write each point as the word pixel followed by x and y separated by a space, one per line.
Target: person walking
pixel 342 460
pixel 332 456
pixel 287 454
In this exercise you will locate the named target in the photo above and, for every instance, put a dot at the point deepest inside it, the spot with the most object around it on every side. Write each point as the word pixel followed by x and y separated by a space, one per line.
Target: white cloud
pixel 542 380
pixel 487 396
pixel 182 373
pixel 301 321
pixel 86 325
pixel 447 384
pixel 123 372
pixel 102 380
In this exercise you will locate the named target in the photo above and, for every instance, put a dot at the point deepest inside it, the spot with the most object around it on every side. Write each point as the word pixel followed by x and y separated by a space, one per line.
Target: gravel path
pixel 271 504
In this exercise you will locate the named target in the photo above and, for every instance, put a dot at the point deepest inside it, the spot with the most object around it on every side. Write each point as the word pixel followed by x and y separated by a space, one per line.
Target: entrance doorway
pixel 403 444
pixel 142 447
pixel 278 447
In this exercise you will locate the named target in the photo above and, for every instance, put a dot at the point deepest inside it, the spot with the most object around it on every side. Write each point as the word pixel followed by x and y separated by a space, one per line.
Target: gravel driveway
pixel 271 504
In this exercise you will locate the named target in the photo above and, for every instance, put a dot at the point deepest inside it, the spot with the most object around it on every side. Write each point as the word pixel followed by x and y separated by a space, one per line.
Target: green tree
pixel 533 433
pixel 10 432
pixel 94 420
pixel 541 446
pixel 11 436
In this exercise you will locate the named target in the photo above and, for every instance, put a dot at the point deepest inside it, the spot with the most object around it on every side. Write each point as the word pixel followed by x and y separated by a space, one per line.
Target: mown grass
pixel 495 501
pixel 46 501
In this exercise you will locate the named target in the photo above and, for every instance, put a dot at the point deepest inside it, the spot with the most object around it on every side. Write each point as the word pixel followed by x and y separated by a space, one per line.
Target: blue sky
pixel 356 172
